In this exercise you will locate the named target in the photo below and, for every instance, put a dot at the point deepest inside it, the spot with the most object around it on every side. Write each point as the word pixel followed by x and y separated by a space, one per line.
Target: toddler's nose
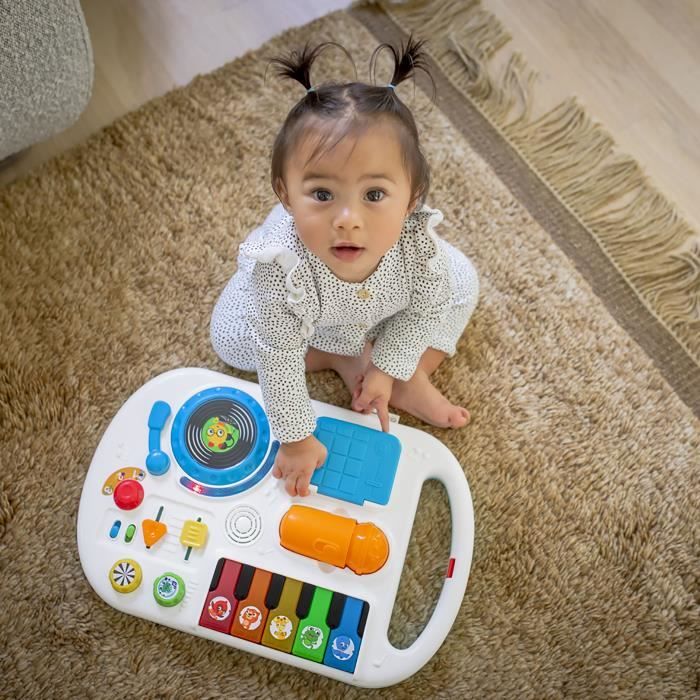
pixel 347 218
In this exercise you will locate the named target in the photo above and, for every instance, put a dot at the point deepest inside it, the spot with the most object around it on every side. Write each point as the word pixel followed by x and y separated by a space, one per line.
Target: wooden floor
pixel 634 63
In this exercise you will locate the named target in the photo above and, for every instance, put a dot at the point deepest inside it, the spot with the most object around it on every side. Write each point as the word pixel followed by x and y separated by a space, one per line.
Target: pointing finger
pixel 383 413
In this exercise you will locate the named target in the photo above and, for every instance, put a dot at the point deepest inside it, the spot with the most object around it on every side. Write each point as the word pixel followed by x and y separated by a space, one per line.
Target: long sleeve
pixel 406 335
pixel 280 347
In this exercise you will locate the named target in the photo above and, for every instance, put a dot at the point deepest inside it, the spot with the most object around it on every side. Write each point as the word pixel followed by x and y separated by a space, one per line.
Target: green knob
pixel 168 589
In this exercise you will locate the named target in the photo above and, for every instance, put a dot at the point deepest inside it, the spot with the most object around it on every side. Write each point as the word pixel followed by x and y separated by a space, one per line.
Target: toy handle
pixel 404 662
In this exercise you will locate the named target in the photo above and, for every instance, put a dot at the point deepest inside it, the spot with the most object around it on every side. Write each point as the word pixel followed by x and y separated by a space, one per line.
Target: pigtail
pixel 407 60
pixel 297 64
pixel 343 108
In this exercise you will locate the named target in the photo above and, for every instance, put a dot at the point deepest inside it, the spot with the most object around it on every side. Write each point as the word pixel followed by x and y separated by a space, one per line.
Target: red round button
pixel 128 494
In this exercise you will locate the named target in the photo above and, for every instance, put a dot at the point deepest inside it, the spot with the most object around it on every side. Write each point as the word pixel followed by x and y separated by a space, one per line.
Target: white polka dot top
pixel 283 298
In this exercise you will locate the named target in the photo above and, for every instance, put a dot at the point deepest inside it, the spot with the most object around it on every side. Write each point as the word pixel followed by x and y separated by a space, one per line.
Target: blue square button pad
pixel 361 463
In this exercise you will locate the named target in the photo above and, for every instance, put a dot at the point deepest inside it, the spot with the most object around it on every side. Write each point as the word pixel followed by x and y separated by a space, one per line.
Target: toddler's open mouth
pixel 347 252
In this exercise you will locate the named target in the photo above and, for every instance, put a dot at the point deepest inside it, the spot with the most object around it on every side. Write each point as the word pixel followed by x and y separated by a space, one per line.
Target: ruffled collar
pixel 280 243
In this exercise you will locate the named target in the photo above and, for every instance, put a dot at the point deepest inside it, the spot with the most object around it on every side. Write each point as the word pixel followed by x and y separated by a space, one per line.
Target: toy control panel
pixel 182 523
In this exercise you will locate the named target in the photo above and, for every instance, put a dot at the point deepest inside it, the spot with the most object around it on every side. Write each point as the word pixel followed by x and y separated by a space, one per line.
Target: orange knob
pixel 333 539
pixel 152 530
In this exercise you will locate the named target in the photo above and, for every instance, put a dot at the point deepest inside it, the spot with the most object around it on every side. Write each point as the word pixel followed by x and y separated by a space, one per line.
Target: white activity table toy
pixel 182 523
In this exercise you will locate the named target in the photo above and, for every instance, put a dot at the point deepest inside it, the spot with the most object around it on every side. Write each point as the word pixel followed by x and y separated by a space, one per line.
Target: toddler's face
pixel 349 204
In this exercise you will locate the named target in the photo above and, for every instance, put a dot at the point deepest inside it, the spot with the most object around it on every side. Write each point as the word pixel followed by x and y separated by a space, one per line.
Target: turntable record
pixel 220 437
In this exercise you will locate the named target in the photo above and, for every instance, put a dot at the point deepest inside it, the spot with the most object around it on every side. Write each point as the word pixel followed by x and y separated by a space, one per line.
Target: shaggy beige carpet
pixel 583 453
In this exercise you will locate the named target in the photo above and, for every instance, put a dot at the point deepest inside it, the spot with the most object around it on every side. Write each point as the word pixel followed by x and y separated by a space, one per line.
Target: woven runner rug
pixel 580 368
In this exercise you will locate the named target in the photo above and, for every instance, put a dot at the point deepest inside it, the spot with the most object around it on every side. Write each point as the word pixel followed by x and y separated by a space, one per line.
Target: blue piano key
pixel 344 641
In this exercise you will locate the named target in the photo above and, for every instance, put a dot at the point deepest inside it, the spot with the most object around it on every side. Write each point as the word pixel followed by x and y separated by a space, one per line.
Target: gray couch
pixel 46 70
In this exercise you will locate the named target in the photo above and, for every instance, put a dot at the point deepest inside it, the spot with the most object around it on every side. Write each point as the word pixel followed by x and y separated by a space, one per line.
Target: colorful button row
pixel 285 614
pixel 193 533
pixel 126 576
pixel 128 536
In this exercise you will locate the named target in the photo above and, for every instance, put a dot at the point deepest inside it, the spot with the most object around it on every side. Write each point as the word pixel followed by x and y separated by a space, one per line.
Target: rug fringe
pixel 651 246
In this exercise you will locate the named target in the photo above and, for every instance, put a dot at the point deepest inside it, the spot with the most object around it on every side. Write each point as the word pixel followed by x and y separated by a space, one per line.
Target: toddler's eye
pixel 375 195
pixel 322 195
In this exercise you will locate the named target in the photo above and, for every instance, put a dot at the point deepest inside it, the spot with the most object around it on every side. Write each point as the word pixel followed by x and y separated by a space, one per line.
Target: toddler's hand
pixel 295 463
pixel 374 392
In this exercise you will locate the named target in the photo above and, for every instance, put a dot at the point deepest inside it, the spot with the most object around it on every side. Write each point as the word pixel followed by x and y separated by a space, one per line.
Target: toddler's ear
pixel 282 195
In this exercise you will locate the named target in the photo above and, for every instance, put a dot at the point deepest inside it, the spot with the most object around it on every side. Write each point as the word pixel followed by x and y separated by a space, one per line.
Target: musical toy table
pixel 182 523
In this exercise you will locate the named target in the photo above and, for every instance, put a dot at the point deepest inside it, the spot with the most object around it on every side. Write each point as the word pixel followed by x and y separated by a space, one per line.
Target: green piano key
pixel 312 634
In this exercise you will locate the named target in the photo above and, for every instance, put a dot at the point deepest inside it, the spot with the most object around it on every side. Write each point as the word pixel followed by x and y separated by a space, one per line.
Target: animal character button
pixel 250 617
pixel 311 637
pixel 281 627
pixel 219 608
pixel 343 648
pixel 219 436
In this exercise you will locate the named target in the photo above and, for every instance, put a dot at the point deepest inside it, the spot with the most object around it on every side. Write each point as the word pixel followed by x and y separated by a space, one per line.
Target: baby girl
pixel 347 272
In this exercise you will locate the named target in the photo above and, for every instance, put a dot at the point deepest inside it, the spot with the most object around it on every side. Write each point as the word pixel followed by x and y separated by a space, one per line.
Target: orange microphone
pixel 334 539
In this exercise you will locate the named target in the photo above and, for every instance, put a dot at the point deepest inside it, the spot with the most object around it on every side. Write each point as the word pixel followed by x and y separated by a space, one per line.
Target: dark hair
pixel 349 108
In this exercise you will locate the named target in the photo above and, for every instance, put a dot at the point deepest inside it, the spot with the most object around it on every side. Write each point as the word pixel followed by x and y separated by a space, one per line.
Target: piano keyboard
pixel 283 613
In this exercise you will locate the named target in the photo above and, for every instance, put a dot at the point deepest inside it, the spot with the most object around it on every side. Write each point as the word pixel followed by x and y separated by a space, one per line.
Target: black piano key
pixel 274 592
pixel 217 574
pixel 363 618
pixel 336 610
pixel 304 604
pixel 245 578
